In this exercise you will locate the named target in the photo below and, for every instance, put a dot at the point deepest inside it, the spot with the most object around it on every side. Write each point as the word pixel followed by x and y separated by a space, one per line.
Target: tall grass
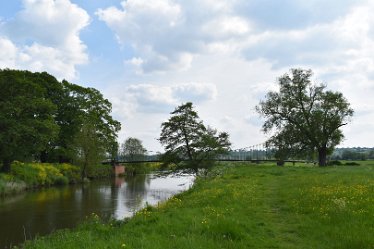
pixel 246 206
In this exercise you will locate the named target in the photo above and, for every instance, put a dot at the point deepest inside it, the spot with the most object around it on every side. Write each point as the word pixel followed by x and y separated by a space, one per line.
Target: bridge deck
pixel 218 160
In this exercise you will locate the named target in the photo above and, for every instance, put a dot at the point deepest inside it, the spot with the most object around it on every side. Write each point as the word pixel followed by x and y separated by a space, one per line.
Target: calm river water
pixel 43 211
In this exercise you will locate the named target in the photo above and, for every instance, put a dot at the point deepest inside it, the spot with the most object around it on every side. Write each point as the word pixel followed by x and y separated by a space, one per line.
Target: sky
pixel 149 56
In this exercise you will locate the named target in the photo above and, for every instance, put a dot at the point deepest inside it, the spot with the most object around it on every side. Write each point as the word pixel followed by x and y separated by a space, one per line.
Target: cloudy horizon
pixel 147 57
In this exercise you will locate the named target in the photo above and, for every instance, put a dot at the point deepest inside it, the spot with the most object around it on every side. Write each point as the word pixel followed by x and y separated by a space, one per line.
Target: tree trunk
pixel 43 156
pixel 6 165
pixel 187 144
pixel 280 163
pixel 322 155
pixel 84 170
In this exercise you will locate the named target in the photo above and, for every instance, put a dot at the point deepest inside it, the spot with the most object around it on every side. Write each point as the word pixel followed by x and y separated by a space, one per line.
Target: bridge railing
pixel 253 153
pixel 234 155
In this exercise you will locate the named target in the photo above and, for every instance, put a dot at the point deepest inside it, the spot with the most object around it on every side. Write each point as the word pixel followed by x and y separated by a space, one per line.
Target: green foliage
pixel 99 171
pixel 26 117
pixel 44 119
pixel 138 168
pixel 43 174
pixel 188 143
pixel 335 163
pixel 97 133
pixel 245 206
pixel 353 155
pixel 352 164
pixel 2 185
pixel 306 117
pixel 71 172
pixel 133 149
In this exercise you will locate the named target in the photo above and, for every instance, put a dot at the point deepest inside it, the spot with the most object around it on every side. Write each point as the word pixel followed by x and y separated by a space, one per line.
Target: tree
pixel 97 132
pixel 133 149
pixel 306 117
pixel 26 118
pixel 187 140
pixel 42 118
pixel 90 149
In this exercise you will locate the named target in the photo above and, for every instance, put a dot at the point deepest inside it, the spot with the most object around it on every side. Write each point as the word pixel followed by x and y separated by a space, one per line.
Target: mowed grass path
pixel 246 206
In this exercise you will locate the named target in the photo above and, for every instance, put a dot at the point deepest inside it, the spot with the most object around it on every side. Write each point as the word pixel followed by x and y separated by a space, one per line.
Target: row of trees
pixel 189 144
pixel 302 118
pixel 353 154
pixel 51 121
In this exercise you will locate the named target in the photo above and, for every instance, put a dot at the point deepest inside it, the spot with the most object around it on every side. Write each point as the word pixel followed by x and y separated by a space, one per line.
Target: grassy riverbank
pixel 31 175
pixel 246 206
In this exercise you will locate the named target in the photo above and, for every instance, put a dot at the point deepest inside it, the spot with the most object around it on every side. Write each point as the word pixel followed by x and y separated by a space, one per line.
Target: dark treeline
pixel 43 119
pixel 357 153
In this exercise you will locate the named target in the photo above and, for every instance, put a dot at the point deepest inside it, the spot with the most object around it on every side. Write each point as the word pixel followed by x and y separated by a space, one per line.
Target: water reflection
pixel 43 211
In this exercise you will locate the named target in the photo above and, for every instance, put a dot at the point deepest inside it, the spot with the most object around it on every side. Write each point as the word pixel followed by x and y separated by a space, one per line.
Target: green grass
pixel 246 206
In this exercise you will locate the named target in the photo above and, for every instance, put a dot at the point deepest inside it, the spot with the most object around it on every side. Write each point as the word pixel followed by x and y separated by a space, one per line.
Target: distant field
pixel 247 206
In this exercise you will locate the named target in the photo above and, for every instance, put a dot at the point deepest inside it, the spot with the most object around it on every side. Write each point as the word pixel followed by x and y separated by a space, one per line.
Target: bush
pixel 138 168
pixel 41 174
pixel 2 186
pixel 27 173
pixel 335 163
pixel 61 180
pixel 352 164
pixel 9 185
pixel 100 171
pixel 71 172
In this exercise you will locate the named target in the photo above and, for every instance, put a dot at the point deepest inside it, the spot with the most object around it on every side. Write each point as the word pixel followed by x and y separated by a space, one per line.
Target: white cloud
pixel 243 46
pixel 45 34
pixel 292 14
pixel 147 98
pixel 145 25
pixel 229 26
pixel 168 34
pixel 8 53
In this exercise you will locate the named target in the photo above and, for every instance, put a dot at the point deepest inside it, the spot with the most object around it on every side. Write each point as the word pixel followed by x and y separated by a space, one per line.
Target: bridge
pixel 254 153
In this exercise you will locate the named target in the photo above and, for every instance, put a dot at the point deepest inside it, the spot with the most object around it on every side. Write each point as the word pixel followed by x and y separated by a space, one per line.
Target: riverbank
pixel 246 206
pixel 34 175
pixel 25 176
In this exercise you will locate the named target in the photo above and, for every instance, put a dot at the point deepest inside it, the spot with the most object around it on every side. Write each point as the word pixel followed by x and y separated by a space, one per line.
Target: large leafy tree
pixel 304 117
pixel 26 117
pixel 97 133
pixel 67 116
pixel 188 143
pixel 42 118
pixel 133 149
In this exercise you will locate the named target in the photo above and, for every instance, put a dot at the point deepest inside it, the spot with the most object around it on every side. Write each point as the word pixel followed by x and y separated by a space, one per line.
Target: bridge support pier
pixel 119 169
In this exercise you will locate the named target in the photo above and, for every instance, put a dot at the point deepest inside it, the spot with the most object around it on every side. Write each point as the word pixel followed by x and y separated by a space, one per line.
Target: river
pixel 43 211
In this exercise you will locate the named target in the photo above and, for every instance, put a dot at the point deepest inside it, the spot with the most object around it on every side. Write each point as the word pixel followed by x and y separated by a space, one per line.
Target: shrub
pixel 352 164
pixel 62 180
pixel 100 171
pixel 335 163
pixel 40 174
pixel 25 172
pixel 2 186
pixel 138 168
pixel 71 172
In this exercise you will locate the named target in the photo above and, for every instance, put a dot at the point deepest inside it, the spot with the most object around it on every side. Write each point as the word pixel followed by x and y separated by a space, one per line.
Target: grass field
pixel 246 206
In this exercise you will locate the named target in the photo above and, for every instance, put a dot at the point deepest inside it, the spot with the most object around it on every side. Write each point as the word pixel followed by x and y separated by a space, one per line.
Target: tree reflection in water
pixel 45 210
